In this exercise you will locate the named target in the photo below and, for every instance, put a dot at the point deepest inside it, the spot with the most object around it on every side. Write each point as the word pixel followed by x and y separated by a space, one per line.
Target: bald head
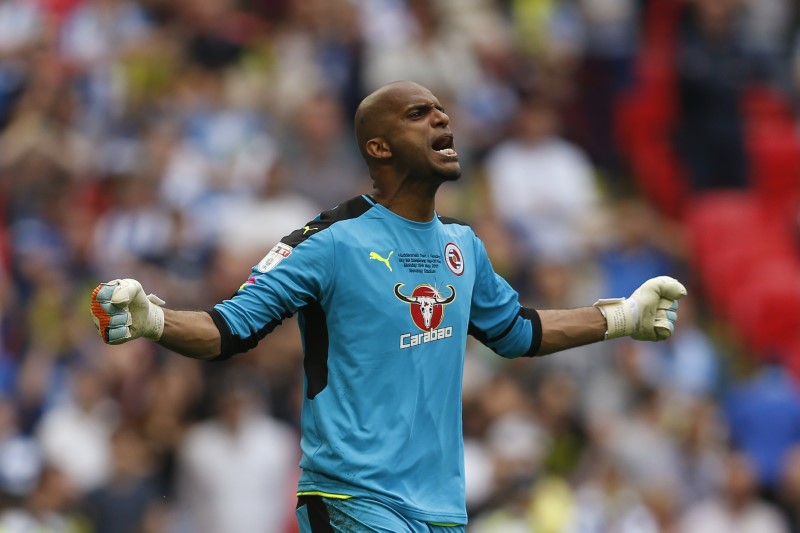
pixel 374 111
pixel 404 134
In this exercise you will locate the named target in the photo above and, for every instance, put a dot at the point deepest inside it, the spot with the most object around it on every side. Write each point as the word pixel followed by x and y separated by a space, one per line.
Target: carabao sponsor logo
pixel 409 340
pixel 427 312
pixel 427 304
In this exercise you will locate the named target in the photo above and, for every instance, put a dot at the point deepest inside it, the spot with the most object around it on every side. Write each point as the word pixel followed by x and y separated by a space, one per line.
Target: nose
pixel 440 118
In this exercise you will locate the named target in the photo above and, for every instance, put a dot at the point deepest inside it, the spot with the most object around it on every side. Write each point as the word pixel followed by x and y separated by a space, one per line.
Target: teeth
pixel 447 151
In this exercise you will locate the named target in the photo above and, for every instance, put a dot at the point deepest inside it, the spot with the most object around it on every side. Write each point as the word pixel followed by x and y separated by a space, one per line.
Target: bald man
pixel 386 292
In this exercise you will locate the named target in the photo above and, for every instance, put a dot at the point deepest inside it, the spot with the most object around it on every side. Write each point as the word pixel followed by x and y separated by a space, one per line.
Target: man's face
pixel 419 134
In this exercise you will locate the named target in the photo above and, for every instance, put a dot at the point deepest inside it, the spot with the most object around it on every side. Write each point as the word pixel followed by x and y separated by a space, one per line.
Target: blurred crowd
pixel 175 141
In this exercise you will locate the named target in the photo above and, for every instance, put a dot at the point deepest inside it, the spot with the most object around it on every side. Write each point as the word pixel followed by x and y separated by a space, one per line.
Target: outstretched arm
pixel 569 328
pixel 122 311
pixel 649 314
pixel 191 333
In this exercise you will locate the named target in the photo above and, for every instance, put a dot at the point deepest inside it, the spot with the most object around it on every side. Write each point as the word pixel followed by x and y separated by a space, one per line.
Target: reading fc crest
pixel 453 258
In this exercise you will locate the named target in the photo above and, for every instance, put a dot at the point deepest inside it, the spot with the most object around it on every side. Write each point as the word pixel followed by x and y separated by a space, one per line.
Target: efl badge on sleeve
pixel 278 253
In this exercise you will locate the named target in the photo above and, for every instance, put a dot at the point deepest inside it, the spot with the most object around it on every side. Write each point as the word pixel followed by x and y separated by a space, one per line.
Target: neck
pixel 408 198
pixel 416 207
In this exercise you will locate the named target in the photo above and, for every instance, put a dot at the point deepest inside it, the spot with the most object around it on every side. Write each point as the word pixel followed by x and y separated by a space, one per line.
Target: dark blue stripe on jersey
pixel 450 220
pixel 232 344
pixel 479 334
pixel 484 337
pixel 524 312
pixel 353 208
pixel 536 334
pixel 315 327
pixel 315 338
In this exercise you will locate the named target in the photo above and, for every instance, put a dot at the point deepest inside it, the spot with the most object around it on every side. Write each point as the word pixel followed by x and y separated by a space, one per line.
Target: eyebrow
pixel 427 105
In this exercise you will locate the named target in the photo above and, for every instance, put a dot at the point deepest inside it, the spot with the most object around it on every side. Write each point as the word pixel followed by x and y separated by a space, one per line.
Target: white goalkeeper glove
pixel 121 312
pixel 649 314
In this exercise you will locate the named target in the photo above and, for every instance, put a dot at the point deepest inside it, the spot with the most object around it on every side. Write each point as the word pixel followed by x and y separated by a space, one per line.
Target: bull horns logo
pixel 427 305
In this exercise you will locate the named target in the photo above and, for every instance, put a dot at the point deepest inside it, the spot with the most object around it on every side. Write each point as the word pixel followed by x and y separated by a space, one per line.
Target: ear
pixel 378 148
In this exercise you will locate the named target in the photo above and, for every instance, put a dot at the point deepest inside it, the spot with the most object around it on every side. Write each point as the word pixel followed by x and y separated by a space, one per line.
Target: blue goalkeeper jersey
pixel 384 305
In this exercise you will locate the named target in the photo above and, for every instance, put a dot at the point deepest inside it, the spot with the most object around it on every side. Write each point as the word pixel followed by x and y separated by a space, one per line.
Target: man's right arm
pixel 288 278
pixel 123 312
pixel 191 333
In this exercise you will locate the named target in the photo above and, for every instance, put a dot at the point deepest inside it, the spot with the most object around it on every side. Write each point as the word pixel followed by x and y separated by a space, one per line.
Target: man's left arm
pixel 499 322
pixel 568 328
pixel 648 314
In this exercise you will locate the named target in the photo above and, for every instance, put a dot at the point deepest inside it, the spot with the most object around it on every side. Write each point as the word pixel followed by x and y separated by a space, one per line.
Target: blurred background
pixel 602 141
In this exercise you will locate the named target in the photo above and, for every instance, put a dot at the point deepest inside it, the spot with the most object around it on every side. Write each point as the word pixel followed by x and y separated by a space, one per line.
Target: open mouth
pixel 444 145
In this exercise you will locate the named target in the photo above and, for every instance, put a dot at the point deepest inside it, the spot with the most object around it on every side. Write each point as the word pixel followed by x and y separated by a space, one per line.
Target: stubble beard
pixel 450 175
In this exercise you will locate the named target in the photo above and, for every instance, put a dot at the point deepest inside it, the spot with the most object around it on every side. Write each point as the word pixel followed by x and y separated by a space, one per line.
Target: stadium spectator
pixel 22 23
pixel 436 55
pixel 235 470
pixel 640 446
pixel 738 509
pixel 20 456
pixel 75 436
pixel 714 67
pixel 319 160
pixel 788 492
pixel 129 499
pixel 763 414
pixel 543 184
pixel 49 507
pixel 606 500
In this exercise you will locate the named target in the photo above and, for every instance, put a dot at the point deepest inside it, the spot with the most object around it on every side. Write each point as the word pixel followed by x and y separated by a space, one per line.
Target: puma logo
pixel 306 229
pixel 385 261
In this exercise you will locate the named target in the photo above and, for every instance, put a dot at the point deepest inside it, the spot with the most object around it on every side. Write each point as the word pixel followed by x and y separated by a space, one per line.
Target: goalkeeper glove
pixel 121 312
pixel 649 314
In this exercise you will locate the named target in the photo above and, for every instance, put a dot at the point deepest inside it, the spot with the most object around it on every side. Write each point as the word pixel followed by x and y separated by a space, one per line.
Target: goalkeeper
pixel 386 292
